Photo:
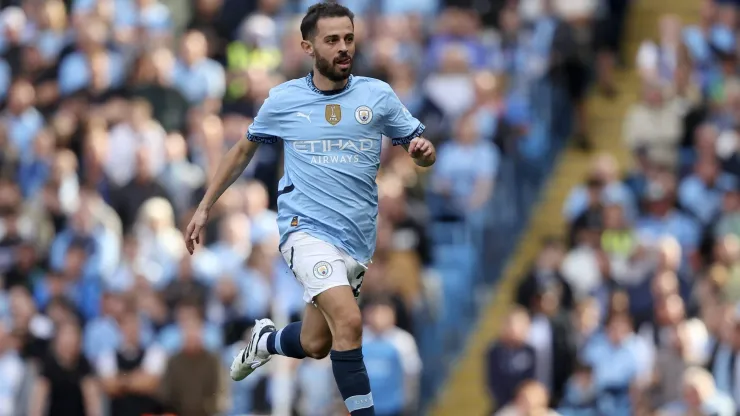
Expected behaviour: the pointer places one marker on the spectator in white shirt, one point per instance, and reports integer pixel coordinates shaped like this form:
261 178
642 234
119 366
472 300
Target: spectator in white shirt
11 368
141 131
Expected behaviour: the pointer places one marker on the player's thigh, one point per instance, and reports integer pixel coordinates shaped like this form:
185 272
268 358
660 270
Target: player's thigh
315 333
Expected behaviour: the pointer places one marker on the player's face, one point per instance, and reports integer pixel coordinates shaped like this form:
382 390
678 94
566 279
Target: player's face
334 47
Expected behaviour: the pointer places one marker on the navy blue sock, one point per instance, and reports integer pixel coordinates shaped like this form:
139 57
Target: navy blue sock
287 341
351 377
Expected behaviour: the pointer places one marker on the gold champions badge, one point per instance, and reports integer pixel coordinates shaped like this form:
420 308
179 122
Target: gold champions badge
333 114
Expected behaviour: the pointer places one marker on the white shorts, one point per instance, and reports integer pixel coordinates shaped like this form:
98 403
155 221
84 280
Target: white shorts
320 266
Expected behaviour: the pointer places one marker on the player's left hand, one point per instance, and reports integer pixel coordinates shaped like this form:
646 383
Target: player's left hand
422 151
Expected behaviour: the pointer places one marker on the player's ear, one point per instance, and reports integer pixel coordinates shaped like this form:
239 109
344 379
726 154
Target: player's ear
307 47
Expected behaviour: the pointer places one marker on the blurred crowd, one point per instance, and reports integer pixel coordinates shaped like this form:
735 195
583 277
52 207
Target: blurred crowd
115 114
637 311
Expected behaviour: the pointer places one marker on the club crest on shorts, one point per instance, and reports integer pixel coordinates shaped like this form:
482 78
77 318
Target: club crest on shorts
333 114
363 114
322 270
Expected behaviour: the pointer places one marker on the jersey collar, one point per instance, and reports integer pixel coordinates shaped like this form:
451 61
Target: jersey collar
314 88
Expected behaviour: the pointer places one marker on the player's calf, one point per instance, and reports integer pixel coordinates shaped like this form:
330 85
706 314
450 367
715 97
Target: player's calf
347 329
316 348
345 321
315 333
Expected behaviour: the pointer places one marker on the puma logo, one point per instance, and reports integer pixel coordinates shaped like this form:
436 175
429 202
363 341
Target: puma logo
304 115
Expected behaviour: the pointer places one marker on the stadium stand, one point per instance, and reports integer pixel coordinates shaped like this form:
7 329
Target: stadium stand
630 307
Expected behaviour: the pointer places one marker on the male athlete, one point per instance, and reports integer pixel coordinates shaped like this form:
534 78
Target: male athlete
331 124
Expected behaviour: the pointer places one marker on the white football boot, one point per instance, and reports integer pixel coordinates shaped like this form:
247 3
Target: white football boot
250 359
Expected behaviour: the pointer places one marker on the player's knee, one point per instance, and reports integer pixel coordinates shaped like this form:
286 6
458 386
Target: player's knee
317 348
348 328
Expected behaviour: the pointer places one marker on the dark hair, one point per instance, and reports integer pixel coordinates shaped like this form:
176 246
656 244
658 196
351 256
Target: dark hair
319 11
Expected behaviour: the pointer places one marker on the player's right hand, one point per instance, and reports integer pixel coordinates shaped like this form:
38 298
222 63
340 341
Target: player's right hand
192 233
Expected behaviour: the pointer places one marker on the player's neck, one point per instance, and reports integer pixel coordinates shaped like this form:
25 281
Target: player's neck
325 84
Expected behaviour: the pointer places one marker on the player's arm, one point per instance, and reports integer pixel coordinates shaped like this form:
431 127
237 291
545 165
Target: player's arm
264 129
229 170
405 130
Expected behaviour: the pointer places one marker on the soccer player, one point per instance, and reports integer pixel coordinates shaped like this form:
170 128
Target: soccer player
331 124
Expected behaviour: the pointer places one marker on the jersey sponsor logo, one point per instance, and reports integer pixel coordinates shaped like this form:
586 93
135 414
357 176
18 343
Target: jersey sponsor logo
363 114
333 114
325 151
322 270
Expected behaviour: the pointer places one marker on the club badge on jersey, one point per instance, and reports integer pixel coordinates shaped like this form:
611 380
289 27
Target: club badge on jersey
363 114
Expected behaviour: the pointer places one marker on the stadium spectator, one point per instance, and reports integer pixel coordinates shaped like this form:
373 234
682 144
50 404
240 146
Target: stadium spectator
615 357
194 383
510 361
130 374
198 77
531 398
66 384
580 394
546 272
655 123
700 396
551 336
393 361
466 188
13 372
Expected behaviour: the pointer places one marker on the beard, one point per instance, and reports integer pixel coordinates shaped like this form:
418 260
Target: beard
331 70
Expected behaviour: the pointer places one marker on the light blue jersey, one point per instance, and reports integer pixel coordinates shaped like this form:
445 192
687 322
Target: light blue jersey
332 142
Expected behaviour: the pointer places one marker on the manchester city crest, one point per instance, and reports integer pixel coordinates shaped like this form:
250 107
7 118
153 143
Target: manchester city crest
322 270
363 114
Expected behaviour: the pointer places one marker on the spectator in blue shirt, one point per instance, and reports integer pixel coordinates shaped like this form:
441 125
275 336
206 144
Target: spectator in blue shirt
580 394
392 360
72 282
235 245
5 77
466 186
104 332
198 77
187 314
701 194
604 169
148 18
22 121
459 31
662 219
34 171
103 246
615 358
74 70
52 35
